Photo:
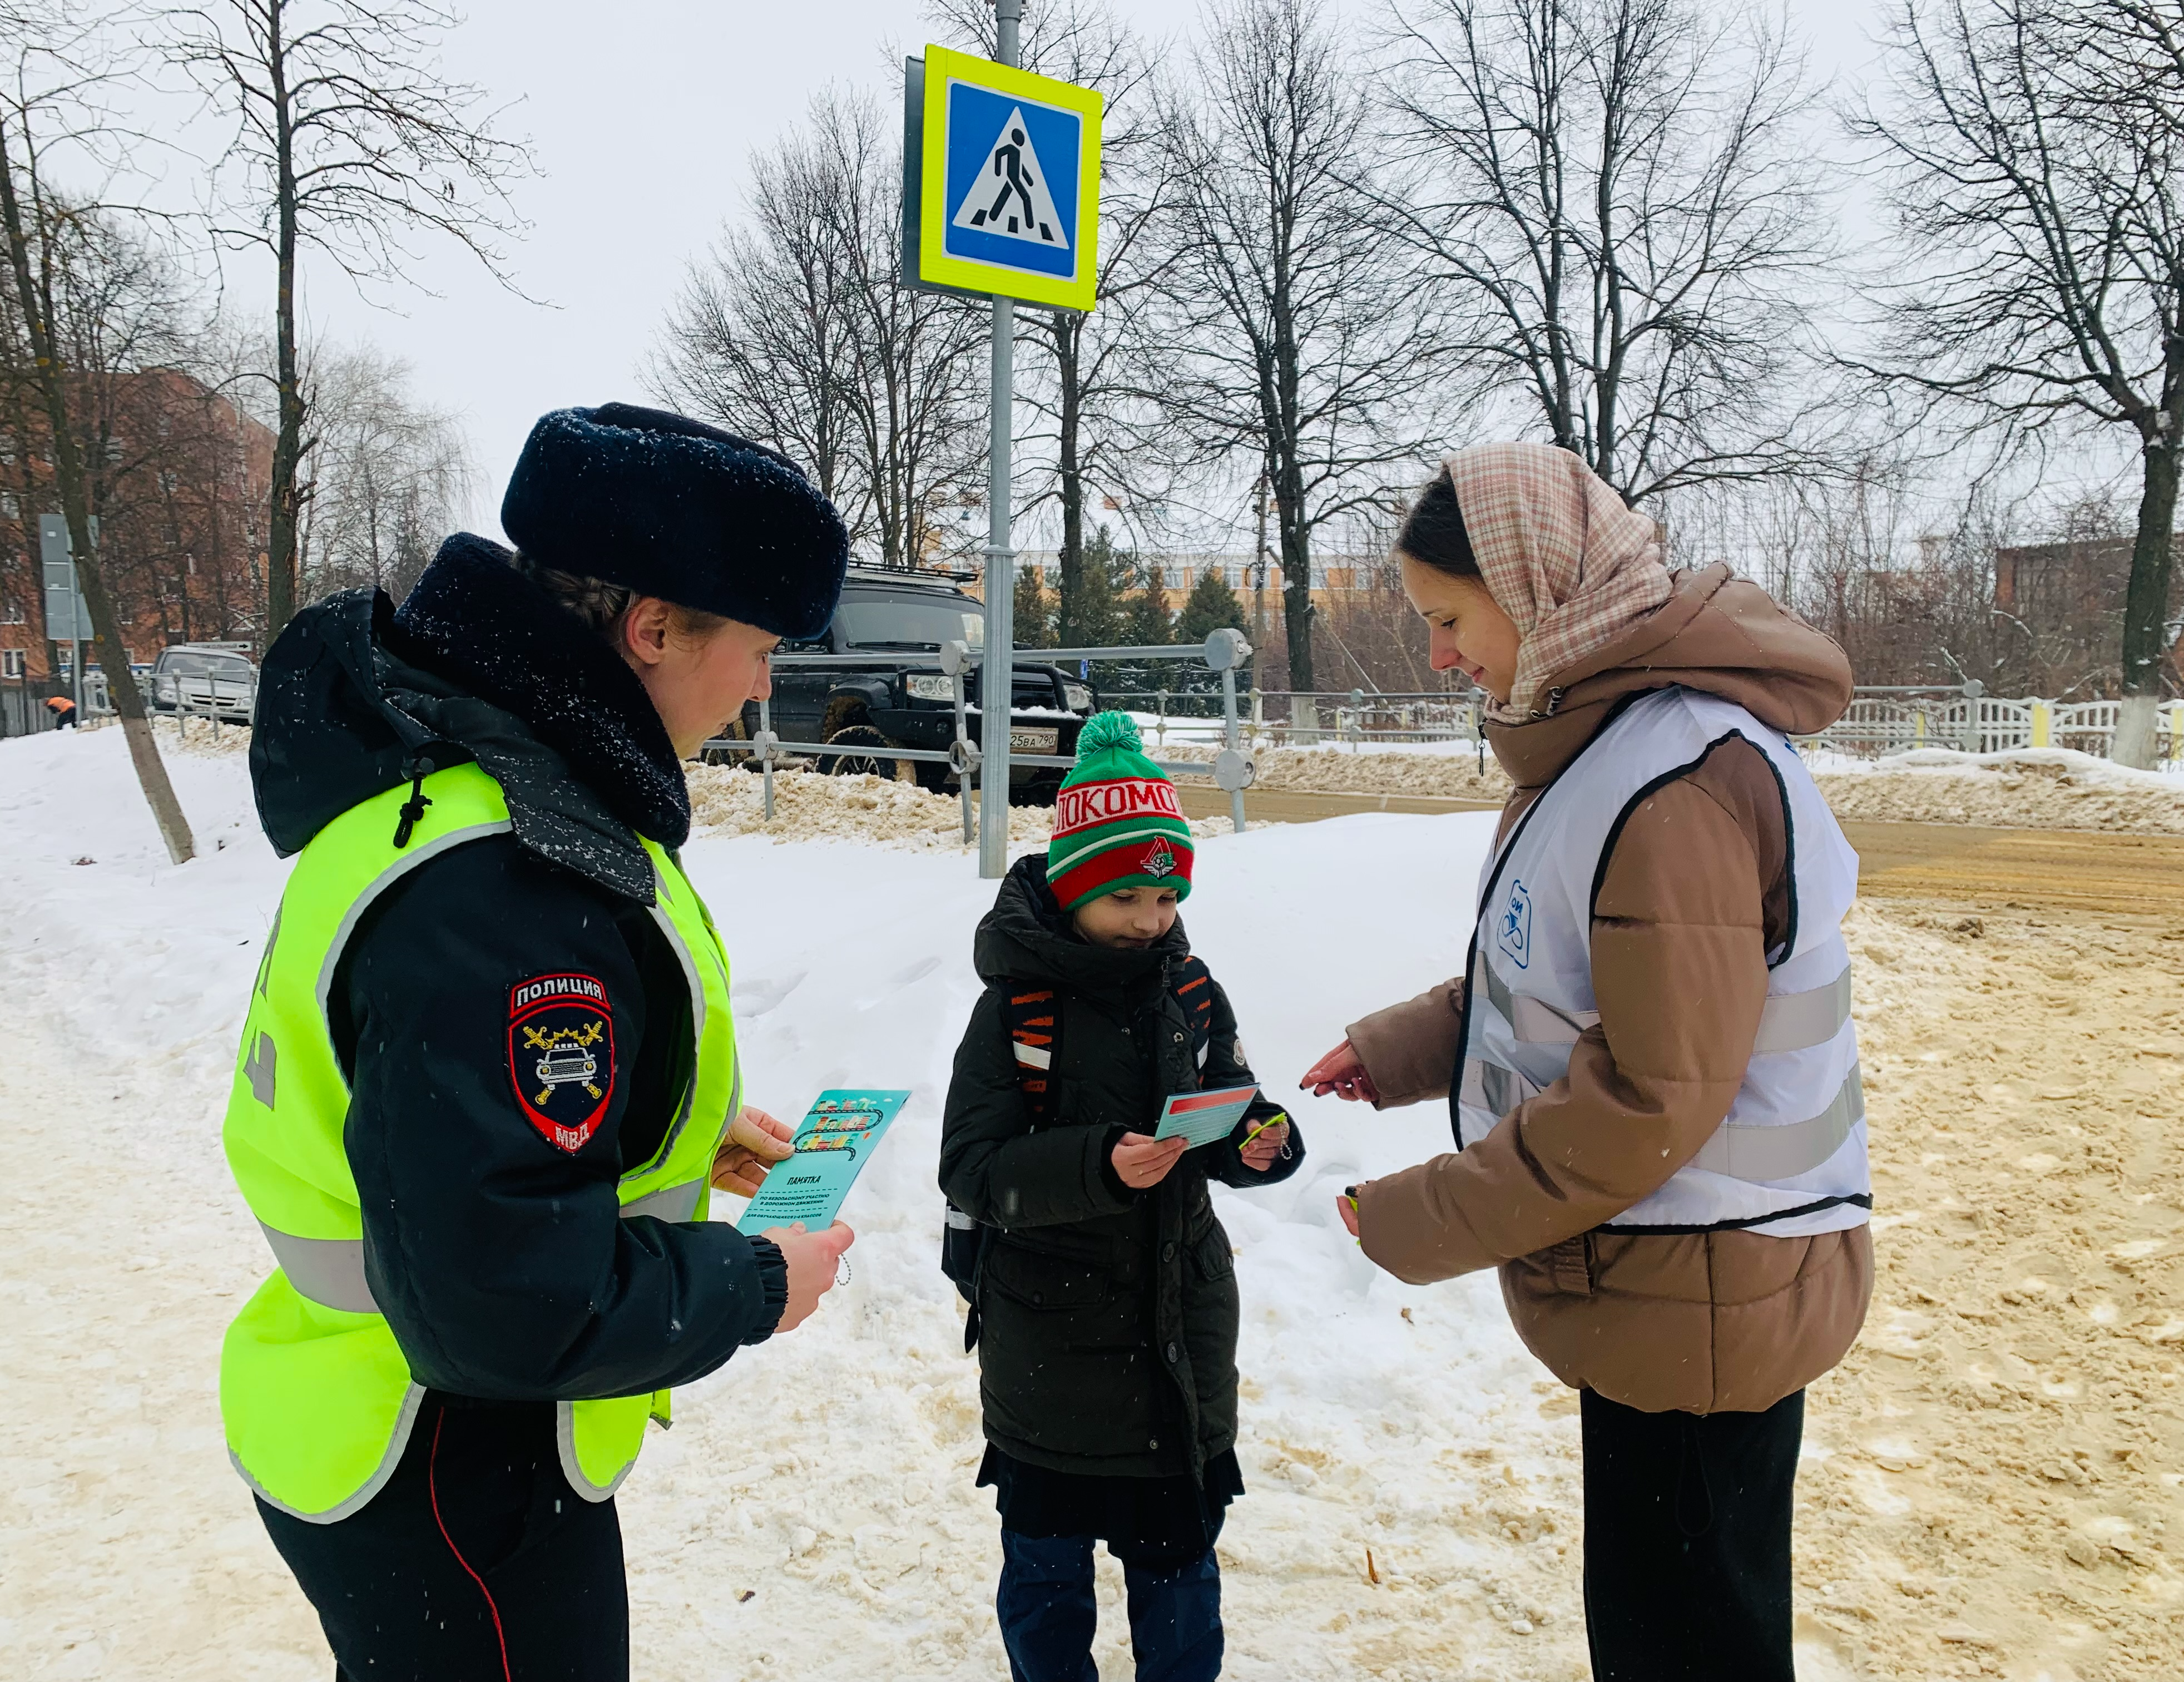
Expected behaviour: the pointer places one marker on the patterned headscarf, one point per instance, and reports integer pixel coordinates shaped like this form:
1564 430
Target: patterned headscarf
1560 555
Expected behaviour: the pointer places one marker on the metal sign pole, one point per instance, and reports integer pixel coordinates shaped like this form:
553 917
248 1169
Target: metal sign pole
997 694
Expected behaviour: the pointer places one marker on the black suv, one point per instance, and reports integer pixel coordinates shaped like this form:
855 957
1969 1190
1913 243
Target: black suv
901 699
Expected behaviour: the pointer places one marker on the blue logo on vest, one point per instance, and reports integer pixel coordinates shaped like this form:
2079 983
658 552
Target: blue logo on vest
1515 936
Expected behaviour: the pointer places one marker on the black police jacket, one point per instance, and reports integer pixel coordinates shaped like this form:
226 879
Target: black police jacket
499 1253
1107 1339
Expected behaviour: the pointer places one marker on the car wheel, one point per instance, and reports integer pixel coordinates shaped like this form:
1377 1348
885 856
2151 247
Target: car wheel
865 737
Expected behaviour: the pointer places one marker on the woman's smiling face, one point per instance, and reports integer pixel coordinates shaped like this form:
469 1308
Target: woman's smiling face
1466 630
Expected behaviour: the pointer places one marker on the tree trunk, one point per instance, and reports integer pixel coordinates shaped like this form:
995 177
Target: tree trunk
1297 610
1259 584
2146 609
287 501
1068 630
68 471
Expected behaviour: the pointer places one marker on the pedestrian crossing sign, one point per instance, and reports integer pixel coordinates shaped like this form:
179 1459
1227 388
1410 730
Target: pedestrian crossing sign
1001 182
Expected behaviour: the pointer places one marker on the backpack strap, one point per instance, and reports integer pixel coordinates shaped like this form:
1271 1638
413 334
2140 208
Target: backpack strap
1192 984
1034 1034
1035 1030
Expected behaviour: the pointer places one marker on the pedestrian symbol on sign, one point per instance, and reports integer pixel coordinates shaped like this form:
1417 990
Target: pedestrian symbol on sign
1012 197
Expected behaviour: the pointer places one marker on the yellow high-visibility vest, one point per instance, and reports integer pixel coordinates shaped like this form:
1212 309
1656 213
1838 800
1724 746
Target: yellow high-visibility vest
315 1394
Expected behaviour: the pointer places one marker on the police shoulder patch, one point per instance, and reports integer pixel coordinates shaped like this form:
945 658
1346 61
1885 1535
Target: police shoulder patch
561 1054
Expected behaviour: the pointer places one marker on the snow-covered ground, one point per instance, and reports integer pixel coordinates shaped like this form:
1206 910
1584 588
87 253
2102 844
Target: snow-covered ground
828 1473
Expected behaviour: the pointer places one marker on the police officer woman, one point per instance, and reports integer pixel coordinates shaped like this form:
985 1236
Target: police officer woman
488 1068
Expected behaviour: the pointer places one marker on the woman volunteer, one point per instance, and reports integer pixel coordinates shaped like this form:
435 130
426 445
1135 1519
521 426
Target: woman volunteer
1660 1136
489 1067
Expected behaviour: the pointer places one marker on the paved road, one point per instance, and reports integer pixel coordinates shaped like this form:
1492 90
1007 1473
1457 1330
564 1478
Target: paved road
2083 871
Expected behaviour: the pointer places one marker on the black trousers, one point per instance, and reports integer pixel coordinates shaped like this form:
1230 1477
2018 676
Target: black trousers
476 1562
1687 1542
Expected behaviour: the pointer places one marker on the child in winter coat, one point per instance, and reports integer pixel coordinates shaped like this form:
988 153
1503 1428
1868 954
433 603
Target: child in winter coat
1103 1302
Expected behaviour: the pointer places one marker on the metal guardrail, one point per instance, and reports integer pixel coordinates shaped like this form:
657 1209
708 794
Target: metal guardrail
1223 652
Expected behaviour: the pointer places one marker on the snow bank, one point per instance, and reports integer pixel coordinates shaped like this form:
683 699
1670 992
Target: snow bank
2029 788
2032 789
1441 768
828 1473
809 806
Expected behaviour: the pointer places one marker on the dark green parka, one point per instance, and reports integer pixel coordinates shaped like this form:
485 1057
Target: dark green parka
1108 1337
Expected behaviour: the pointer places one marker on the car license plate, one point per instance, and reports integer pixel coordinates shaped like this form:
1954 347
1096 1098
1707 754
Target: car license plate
1034 741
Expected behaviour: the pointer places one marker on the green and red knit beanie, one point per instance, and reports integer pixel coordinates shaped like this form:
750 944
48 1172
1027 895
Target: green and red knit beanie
1115 823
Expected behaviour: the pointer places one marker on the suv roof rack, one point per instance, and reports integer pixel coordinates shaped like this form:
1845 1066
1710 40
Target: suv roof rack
871 572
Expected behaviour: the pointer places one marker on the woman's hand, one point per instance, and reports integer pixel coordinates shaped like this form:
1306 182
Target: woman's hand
1142 1161
1265 1149
813 1259
1341 1072
755 1140
1345 1204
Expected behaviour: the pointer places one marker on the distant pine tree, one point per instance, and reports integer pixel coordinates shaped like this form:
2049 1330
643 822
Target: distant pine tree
1211 606
1146 617
1034 610
1094 618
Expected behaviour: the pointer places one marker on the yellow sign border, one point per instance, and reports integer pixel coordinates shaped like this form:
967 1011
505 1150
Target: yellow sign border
934 266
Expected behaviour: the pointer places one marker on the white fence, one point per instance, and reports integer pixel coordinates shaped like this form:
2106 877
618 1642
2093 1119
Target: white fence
1876 722
1989 724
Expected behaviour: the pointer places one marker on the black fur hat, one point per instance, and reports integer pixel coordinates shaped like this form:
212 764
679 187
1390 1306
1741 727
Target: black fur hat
673 508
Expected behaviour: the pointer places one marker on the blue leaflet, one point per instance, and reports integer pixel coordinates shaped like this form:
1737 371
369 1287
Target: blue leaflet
833 1143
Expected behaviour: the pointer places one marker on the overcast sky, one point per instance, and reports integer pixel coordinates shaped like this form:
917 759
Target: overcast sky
641 115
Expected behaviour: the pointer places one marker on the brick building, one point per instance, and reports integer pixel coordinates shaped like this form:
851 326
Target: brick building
178 479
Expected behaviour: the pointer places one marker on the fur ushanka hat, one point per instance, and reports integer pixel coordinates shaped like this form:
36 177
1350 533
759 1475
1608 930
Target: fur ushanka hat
671 507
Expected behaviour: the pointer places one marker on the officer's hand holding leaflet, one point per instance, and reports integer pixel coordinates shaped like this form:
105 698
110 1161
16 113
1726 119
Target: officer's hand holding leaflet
814 1259
755 1142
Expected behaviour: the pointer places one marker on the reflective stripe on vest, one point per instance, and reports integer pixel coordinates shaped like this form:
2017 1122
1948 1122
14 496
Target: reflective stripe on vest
1790 1157
317 1399
1790 1022
331 1270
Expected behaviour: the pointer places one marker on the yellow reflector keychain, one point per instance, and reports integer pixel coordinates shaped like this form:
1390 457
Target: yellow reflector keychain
1278 1119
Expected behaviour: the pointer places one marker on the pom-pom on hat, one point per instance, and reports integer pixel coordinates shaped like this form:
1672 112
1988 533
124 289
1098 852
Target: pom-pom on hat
1116 821
671 507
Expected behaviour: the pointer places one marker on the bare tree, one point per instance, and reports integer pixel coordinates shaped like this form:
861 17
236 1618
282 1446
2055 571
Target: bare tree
1615 198
798 330
766 328
389 475
1291 340
48 107
2037 195
347 141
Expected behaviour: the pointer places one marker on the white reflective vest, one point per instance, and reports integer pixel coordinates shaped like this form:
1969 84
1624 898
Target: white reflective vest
1790 1158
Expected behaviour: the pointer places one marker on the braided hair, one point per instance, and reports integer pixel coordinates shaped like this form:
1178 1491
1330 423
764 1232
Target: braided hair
601 605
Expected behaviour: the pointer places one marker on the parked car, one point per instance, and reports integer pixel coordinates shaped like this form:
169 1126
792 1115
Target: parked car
901 699
202 678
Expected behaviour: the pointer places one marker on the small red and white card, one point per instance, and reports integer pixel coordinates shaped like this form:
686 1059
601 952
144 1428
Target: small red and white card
1201 1117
